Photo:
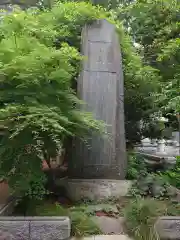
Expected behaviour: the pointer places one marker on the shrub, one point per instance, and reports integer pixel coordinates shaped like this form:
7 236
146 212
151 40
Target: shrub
38 107
152 185
136 166
148 183
172 176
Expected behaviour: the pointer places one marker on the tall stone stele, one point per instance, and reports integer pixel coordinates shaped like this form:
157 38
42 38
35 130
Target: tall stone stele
101 87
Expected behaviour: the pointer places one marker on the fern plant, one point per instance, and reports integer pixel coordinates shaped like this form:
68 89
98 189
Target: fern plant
38 107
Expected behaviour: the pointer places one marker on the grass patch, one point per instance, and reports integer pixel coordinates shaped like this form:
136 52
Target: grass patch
140 218
141 214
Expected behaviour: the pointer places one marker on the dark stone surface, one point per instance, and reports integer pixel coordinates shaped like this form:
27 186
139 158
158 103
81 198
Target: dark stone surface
101 87
168 228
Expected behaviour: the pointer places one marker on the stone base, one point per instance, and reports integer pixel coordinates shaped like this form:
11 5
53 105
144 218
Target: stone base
97 189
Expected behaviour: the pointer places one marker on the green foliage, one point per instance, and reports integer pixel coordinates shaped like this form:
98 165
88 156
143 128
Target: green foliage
108 4
38 107
147 183
173 209
170 59
136 166
155 26
141 83
142 213
172 176
152 24
152 185
140 217
82 224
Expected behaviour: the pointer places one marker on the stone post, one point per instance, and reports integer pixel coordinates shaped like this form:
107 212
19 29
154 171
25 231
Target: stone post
161 146
101 87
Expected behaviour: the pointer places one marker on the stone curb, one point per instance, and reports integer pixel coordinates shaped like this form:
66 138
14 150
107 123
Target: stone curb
35 228
168 227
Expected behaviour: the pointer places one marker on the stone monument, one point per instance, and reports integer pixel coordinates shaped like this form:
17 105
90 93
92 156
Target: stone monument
101 87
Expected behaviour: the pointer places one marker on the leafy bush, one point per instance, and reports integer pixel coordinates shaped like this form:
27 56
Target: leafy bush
136 166
152 185
38 107
154 25
140 217
172 176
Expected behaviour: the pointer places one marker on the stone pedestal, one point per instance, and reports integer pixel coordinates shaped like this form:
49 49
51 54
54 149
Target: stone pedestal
97 189
35 228
101 87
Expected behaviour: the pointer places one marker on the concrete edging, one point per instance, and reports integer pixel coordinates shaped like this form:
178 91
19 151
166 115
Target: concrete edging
168 227
35 228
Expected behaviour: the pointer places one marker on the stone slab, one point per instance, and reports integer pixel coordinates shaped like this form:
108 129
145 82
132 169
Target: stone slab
168 228
97 189
35 228
109 225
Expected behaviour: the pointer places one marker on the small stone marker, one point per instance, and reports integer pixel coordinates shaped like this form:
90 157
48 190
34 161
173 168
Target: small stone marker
168 228
34 228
